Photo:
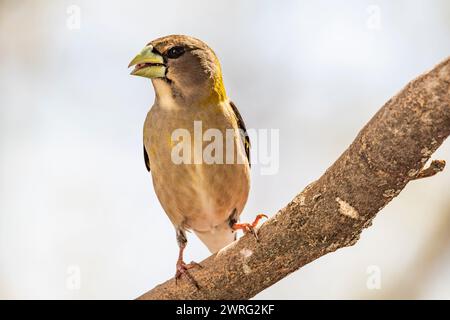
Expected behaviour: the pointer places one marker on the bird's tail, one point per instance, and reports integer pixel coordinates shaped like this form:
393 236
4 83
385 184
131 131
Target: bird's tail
217 238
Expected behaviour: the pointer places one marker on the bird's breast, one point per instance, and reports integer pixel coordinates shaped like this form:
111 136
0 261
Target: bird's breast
193 180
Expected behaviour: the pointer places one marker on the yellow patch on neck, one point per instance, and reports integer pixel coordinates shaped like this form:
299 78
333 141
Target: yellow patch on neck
218 93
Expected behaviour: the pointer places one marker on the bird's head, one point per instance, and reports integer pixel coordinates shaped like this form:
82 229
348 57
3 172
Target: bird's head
181 67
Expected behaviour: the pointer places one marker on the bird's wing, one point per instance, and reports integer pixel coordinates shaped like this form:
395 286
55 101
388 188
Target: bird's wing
244 136
146 159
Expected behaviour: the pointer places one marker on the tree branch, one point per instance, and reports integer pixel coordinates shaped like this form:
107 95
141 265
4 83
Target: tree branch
331 213
435 167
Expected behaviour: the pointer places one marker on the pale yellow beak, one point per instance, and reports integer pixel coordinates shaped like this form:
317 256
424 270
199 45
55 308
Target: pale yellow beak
148 64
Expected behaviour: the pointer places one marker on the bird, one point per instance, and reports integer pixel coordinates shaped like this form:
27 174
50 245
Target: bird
203 197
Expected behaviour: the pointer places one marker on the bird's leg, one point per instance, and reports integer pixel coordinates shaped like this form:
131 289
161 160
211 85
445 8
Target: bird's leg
249 227
182 267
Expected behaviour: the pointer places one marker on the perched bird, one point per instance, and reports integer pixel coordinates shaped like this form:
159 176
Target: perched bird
206 198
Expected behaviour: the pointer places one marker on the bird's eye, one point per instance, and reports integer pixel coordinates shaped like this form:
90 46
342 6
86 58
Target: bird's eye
175 52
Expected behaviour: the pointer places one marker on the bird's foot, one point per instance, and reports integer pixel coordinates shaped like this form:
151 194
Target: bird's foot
250 227
183 269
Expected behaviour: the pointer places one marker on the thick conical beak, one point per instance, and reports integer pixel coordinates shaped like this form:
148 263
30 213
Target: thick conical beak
148 64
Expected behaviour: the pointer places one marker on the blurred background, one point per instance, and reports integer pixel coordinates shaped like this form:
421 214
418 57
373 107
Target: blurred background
78 215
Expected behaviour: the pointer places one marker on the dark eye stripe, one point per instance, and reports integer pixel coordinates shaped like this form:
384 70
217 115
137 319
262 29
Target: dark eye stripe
175 52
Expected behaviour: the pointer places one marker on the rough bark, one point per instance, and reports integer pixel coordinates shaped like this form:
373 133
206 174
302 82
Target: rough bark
331 213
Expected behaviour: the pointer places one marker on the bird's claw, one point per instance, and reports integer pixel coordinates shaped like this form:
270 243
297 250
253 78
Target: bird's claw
183 269
250 227
252 230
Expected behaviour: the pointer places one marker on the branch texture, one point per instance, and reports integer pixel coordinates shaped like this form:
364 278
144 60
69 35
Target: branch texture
331 213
